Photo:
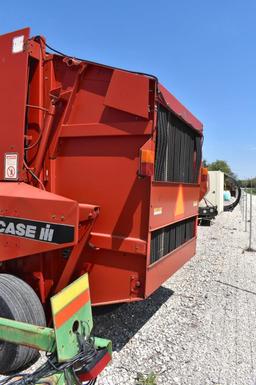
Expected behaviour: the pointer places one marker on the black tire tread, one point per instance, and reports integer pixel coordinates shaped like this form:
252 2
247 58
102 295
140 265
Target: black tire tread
24 306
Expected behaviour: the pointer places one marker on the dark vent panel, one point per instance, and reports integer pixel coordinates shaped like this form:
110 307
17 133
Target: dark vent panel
168 238
178 150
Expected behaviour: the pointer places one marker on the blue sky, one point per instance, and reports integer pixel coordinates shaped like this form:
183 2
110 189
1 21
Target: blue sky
203 51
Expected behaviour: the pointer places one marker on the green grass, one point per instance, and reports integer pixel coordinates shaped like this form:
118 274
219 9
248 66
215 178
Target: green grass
145 379
248 190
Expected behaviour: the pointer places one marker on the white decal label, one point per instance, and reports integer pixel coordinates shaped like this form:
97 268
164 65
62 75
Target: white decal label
158 211
17 44
11 166
195 203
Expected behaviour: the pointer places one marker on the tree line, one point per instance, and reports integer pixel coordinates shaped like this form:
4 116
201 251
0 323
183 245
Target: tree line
222 165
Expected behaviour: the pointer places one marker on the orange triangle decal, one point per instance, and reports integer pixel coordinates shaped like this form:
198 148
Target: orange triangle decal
179 209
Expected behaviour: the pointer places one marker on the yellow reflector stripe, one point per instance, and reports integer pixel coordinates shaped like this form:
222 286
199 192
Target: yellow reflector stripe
64 297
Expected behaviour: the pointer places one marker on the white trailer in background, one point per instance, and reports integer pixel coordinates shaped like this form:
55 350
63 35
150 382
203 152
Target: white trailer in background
215 195
213 202
223 195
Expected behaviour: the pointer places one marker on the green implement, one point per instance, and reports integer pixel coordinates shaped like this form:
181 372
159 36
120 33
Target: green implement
73 355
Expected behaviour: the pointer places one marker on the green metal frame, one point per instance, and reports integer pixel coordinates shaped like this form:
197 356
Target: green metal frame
63 341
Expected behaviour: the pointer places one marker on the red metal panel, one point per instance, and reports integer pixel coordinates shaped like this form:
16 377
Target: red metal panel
103 171
100 129
128 92
172 202
127 245
114 276
179 109
168 265
13 80
22 201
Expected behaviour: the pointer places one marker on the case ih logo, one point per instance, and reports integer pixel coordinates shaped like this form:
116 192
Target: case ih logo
38 231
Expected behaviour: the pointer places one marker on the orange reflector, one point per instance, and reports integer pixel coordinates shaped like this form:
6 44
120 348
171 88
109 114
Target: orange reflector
179 209
147 156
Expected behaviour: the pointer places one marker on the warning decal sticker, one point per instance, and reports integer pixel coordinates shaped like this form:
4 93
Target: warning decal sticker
11 166
18 44
158 211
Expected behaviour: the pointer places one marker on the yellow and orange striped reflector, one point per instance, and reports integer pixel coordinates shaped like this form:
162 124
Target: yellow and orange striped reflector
66 303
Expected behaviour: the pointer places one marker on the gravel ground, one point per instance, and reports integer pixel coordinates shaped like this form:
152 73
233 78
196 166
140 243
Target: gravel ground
199 327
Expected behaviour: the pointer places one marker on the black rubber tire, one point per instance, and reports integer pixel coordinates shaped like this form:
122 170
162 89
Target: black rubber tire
18 301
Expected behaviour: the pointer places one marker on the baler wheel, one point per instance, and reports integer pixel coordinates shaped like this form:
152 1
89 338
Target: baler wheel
19 302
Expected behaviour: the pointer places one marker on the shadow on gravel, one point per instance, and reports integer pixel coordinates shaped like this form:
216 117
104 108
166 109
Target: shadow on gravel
120 323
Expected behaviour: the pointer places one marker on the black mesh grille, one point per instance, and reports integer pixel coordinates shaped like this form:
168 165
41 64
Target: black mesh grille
176 146
168 238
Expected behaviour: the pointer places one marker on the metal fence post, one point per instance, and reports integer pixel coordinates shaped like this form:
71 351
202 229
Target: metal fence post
250 229
246 220
245 192
241 203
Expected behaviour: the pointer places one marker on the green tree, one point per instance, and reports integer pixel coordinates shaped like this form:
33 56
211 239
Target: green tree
221 165
248 182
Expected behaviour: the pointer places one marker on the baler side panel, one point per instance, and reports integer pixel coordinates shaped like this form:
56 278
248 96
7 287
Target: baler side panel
172 202
114 276
174 192
124 98
92 135
97 160
13 98
98 151
168 265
